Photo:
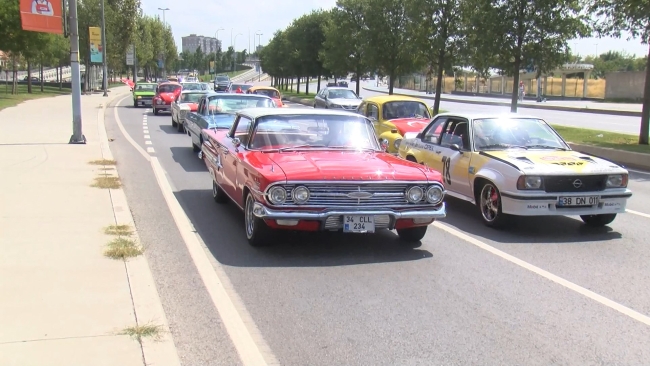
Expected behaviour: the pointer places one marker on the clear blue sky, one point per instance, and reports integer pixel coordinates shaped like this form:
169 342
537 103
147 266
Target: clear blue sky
266 16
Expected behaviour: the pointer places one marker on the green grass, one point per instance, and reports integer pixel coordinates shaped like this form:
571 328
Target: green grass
292 93
606 139
9 100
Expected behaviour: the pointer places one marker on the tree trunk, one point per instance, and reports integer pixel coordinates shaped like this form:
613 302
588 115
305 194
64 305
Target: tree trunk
298 85
441 69
15 76
307 86
29 77
318 86
391 82
645 112
515 86
358 71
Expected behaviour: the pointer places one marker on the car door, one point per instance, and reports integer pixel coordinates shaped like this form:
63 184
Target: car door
318 99
430 143
194 122
455 148
231 154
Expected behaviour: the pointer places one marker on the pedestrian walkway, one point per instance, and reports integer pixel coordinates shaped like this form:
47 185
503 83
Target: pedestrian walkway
63 302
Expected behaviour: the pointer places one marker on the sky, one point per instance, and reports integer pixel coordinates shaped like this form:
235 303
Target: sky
247 17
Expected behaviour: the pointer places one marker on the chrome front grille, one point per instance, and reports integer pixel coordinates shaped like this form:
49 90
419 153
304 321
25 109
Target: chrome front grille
379 195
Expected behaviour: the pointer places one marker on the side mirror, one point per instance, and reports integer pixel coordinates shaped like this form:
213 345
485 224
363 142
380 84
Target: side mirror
455 147
419 136
237 142
384 144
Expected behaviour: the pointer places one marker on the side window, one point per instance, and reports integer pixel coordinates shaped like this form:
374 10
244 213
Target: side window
361 109
373 111
456 132
242 130
432 134
201 108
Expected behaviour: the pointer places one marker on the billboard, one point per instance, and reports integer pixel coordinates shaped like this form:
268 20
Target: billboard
130 55
41 16
95 37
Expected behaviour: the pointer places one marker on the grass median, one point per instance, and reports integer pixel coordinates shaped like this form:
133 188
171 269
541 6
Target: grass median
301 95
9 100
612 140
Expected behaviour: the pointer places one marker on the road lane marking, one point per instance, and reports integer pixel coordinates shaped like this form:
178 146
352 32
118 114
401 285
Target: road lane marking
549 276
151 150
248 351
148 142
638 171
147 137
239 324
638 213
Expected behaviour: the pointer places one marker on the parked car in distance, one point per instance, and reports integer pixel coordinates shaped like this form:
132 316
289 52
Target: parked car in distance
217 111
337 98
222 83
269 91
185 103
342 83
314 169
143 94
518 165
395 115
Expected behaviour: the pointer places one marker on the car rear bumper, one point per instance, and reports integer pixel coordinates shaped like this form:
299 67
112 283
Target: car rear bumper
547 204
144 101
164 107
333 219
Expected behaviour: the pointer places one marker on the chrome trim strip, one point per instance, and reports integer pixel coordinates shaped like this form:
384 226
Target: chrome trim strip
264 212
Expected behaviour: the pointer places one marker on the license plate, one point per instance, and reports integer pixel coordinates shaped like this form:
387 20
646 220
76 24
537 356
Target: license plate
358 224
578 201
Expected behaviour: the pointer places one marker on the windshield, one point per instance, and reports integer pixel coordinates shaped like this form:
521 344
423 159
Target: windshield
405 109
230 103
192 86
305 131
268 92
146 87
497 134
222 78
341 94
169 88
191 97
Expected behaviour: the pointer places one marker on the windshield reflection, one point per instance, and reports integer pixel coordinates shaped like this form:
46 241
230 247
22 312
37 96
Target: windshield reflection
526 133
405 109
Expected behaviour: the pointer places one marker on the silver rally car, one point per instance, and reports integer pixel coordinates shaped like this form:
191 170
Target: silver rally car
518 165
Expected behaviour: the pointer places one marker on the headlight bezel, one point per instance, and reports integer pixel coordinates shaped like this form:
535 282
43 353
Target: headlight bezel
397 143
414 189
530 183
298 201
432 188
623 180
270 195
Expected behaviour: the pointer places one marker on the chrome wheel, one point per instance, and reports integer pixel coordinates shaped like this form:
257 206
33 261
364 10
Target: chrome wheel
215 189
490 203
249 217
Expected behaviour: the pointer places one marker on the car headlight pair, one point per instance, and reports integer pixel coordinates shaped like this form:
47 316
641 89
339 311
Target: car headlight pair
532 182
434 194
278 195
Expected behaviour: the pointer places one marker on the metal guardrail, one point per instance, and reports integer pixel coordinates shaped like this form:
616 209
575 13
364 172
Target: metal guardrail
48 74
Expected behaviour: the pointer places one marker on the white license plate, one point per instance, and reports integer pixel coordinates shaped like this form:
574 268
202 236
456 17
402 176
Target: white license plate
358 224
578 201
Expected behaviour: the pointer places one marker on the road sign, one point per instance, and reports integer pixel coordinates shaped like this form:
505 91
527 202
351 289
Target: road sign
130 55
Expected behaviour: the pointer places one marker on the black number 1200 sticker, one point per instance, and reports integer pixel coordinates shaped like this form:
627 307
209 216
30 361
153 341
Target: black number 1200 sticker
446 175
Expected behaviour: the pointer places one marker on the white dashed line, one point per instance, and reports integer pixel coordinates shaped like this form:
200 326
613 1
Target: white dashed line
151 150
147 137
148 142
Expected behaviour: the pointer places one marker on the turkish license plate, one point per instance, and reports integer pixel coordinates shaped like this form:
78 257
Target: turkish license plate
578 201
358 224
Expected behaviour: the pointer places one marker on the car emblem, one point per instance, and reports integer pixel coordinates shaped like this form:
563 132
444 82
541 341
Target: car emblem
359 195
577 183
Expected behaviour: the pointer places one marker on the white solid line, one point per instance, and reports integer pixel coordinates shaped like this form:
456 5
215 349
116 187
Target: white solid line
148 142
147 137
638 213
151 150
638 171
126 134
248 351
549 276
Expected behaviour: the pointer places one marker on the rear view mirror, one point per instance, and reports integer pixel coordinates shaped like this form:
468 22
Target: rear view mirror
454 147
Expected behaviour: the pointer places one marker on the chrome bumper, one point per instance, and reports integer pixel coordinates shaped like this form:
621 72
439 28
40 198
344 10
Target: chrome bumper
332 219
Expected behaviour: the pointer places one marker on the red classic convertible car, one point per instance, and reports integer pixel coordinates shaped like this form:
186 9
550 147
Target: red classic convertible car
311 170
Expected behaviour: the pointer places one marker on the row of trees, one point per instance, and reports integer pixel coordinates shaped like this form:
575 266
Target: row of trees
125 25
201 61
397 37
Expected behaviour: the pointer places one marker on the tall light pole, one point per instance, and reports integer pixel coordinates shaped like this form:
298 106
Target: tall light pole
216 35
77 133
596 44
259 65
165 24
104 68
234 51
164 10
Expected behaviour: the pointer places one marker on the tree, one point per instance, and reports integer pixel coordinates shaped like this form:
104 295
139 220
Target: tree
437 31
631 16
390 48
518 34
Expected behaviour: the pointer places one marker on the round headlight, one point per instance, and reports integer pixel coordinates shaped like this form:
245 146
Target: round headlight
277 195
397 143
414 194
435 194
300 195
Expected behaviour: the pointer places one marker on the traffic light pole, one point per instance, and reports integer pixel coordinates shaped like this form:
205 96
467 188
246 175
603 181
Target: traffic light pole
77 133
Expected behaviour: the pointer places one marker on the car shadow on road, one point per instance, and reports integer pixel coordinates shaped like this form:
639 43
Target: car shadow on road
188 159
221 226
169 129
532 230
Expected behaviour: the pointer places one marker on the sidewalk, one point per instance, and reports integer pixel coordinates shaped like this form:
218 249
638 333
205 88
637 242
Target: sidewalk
585 106
63 302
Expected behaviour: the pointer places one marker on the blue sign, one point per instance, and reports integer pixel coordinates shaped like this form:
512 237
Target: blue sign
160 64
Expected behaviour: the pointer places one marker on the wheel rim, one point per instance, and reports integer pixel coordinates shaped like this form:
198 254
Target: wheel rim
249 218
489 203
214 189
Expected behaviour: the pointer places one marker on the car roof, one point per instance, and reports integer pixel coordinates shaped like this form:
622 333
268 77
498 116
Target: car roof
263 87
337 88
261 112
473 116
194 91
391 98
170 83
233 95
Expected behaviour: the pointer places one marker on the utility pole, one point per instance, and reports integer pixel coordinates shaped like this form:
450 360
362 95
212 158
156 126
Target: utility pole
77 134
104 68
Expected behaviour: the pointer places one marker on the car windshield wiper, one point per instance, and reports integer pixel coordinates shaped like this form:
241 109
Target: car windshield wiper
545 147
299 147
506 146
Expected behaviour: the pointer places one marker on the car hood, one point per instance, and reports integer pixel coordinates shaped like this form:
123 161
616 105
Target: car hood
345 101
344 165
167 97
555 162
405 125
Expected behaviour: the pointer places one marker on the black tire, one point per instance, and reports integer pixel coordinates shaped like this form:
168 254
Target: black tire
197 148
180 127
257 232
135 104
155 111
489 204
598 220
413 234
174 123
218 194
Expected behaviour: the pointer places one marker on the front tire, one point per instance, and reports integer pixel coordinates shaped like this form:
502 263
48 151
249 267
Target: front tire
174 123
257 232
155 112
196 148
489 203
218 194
135 104
598 220
412 234
180 128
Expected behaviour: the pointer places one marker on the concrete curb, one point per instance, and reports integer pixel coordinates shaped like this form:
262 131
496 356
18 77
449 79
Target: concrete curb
146 301
530 106
625 158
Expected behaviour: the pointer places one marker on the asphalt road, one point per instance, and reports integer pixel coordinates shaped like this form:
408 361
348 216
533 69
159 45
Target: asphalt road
331 299
604 122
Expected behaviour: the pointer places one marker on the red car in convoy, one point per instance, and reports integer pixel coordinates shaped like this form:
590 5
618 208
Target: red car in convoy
166 93
311 170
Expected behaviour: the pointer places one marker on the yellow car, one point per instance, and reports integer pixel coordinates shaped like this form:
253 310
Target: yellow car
395 115
518 165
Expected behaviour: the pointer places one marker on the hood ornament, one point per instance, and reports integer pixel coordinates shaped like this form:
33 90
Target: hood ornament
577 183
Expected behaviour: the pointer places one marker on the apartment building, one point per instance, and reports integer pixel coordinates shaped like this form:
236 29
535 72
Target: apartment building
206 44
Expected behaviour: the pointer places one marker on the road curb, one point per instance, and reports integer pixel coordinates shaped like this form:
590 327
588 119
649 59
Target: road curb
307 102
626 158
146 300
530 106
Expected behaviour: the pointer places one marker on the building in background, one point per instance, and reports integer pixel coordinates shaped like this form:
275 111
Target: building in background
206 44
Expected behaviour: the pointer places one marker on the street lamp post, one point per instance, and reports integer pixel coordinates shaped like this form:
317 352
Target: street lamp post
235 52
164 23
259 71
216 35
104 68
596 44
164 10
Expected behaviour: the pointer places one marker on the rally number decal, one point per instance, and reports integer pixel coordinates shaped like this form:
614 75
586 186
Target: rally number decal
446 174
